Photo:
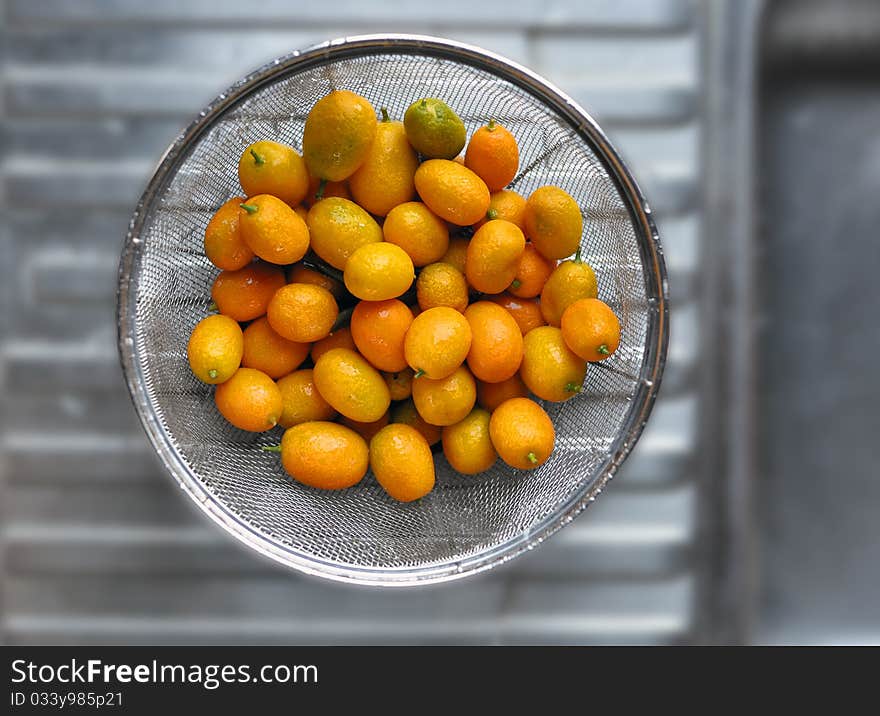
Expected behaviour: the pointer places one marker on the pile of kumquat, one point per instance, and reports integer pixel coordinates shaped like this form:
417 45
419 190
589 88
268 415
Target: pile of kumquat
383 292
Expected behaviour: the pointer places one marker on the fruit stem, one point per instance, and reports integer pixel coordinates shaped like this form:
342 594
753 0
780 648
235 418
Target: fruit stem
250 208
418 374
572 388
515 284
258 159
212 306
321 186
532 458
577 256
271 448
425 102
212 374
603 349
385 117
491 125
492 214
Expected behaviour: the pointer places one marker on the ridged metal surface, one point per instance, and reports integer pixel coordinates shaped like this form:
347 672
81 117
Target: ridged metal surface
98 547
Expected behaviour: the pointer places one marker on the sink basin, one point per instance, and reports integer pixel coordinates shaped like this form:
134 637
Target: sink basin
817 468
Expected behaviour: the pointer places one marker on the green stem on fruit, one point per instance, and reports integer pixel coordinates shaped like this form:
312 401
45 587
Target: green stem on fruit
572 388
424 103
492 214
515 284
258 158
418 374
271 448
577 256
603 349
532 458
212 374
250 208
385 117
491 125
212 306
321 186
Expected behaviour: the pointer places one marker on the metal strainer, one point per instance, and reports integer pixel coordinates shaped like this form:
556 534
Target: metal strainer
467 524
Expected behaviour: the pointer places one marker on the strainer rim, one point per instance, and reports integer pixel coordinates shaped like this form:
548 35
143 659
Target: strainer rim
654 272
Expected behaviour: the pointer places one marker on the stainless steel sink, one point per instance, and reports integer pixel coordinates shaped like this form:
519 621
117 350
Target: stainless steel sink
818 335
794 156
746 513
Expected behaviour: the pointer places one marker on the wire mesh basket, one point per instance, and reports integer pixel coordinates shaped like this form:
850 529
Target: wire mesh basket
468 523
